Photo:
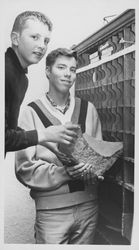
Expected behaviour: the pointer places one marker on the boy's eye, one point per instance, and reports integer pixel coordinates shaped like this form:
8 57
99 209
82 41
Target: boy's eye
73 70
60 67
35 38
46 41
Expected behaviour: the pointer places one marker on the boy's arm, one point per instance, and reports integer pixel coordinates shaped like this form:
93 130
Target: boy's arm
36 172
15 139
18 139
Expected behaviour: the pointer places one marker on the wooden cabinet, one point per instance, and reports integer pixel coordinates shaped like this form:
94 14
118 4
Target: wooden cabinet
106 77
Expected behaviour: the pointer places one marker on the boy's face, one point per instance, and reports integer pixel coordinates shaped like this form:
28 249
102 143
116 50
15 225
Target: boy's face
32 42
62 74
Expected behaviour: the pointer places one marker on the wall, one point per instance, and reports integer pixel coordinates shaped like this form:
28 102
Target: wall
19 212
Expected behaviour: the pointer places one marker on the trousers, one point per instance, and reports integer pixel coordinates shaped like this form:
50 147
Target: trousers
68 225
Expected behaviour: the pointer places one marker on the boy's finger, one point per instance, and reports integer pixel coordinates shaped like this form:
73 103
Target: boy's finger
72 126
100 177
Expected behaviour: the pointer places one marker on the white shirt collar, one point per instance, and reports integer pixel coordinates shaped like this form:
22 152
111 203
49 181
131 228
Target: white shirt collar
59 115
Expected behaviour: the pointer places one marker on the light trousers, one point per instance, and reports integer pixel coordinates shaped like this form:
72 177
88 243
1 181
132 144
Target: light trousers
69 225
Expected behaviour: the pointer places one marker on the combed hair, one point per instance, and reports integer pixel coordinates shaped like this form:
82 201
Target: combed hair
24 16
54 54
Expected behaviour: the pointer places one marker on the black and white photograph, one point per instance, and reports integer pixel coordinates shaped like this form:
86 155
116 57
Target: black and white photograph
69 124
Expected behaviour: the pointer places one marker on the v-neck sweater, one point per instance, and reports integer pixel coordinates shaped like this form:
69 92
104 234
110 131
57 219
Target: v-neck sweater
38 167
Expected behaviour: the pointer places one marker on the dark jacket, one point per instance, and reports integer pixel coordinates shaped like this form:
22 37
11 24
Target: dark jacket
16 84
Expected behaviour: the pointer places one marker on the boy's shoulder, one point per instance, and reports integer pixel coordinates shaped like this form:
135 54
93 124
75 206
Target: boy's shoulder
85 102
10 72
81 100
13 69
9 65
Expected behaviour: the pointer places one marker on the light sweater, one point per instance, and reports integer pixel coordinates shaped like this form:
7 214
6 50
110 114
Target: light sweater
39 168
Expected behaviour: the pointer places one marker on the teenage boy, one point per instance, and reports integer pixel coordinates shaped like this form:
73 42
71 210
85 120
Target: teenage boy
66 204
30 37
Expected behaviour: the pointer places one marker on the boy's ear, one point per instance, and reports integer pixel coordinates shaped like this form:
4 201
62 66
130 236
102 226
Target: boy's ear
47 72
15 38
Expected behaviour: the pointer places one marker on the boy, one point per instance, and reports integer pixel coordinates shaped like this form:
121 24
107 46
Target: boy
66 204
30 37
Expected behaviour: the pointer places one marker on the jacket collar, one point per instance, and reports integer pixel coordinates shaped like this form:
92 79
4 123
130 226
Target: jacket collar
15 59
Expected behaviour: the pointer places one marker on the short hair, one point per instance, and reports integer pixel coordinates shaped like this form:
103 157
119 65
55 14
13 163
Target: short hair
54 54
24 16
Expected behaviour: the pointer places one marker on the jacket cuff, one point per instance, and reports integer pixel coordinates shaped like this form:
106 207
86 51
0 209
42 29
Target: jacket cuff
32 137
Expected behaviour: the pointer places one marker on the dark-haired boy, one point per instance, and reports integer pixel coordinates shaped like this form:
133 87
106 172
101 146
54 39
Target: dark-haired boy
66 205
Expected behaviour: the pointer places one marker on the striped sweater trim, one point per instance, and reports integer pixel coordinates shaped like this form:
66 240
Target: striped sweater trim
78 116
50 117
83 114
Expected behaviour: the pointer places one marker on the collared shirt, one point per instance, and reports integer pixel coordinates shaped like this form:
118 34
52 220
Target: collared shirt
62 109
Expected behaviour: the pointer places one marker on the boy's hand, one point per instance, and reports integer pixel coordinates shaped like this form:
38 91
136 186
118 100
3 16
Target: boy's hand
64 134
76 171
89 177
84 171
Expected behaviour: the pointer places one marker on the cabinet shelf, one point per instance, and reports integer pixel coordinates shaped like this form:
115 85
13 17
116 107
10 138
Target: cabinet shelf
109 83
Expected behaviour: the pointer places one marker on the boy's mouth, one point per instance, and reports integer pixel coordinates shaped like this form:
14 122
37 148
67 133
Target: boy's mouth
39 54
66 81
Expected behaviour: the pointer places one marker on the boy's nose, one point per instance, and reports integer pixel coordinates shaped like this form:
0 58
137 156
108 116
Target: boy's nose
67 72
42 44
